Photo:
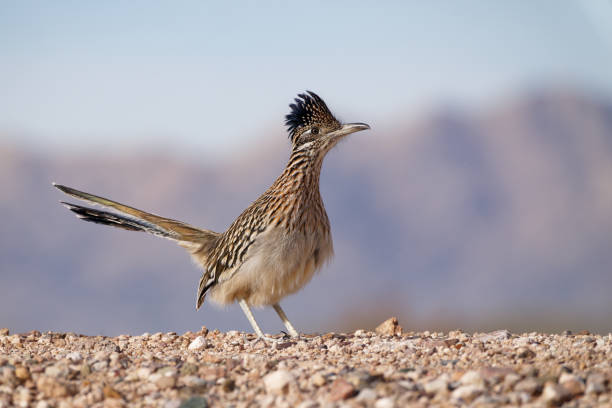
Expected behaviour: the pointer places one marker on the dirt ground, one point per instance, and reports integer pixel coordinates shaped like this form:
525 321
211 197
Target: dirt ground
383 368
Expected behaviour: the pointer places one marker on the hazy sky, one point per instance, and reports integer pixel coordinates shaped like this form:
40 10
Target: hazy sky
207 76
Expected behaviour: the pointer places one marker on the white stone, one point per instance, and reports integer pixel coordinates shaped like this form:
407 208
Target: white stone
467 393
278 381
193 381
440 384
75 357
472 377
366 395
199 343
384 403
143 373
308 404
53 371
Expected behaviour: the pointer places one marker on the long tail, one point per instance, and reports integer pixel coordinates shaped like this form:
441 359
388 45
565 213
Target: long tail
192 238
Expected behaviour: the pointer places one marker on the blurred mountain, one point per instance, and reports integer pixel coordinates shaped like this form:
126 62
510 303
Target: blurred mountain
496 218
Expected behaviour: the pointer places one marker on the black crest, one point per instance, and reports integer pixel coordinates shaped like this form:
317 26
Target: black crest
307 110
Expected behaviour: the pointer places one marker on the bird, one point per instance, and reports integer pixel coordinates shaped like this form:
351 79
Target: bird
276 245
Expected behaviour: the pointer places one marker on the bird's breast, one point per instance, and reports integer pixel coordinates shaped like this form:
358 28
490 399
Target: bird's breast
278 263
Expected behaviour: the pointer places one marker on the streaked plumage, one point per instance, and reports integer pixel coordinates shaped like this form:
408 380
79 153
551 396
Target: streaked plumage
277 244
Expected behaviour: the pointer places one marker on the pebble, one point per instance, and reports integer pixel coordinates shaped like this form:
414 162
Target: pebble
530 386
389 327
318 380
554 394
572 384
75 357
198 343
496 335
467 393
194 402
22 373
278 382
341 389
384 403
367 395
51 388
472 378
53 371
308 404
595 384
110 392
438 385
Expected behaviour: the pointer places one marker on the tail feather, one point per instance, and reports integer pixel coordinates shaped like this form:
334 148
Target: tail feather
199 242
135 220
117 220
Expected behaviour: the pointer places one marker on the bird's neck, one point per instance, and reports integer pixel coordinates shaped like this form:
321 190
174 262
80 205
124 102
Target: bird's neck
303 171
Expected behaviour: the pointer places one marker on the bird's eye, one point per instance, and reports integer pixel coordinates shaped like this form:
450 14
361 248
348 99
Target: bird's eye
314 131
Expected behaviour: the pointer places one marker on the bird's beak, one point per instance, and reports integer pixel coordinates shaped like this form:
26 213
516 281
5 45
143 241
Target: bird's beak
349 128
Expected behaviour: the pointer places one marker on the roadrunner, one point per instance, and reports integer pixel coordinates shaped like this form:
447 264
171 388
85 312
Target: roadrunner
276 245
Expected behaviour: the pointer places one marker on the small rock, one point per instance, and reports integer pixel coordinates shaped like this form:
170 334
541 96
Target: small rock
467 393
51 388
194 402
472 378
4 331
384 403
308 404
359 379
7 376
164 378
278 382
22 397
75 357
198 344
496 335
172 404
529 385
511 380
554 394
22 373
572 384
367 395
85 370
495 375
408 385
318 380
143 373
53 371
189 369
389 327
341 389
110 392
525 352
228 385
596 384
438 385
99 365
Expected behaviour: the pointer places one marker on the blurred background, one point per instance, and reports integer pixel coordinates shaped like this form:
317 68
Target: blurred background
480 199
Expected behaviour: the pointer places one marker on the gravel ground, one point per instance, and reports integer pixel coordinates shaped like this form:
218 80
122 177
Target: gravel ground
385 368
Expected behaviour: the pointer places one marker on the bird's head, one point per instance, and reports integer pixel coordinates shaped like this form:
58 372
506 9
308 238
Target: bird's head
312 126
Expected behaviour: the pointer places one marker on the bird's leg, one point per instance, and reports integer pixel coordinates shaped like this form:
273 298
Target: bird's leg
283 317
247 311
